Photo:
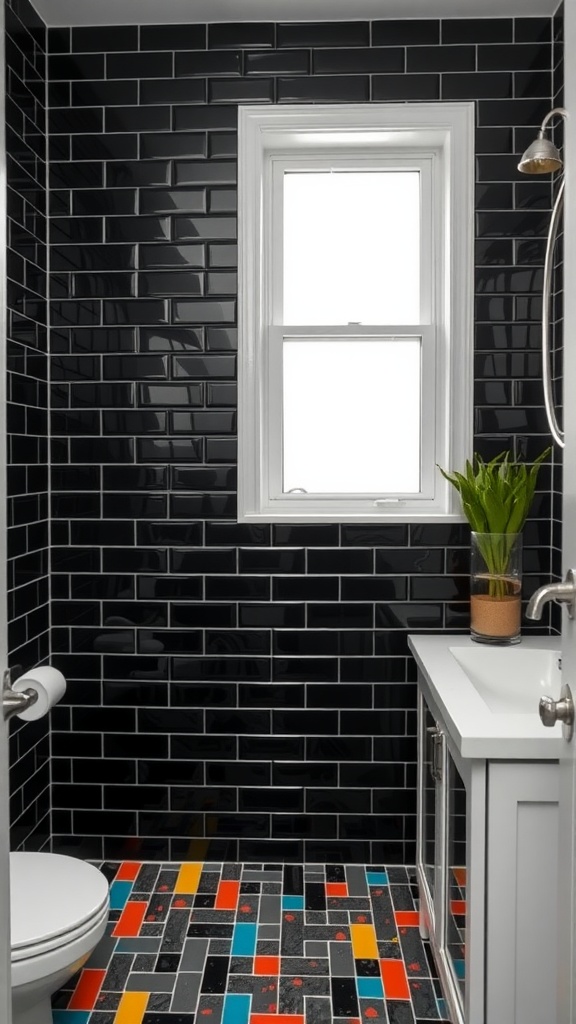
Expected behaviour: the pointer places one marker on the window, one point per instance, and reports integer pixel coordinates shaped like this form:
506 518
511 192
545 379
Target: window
355 378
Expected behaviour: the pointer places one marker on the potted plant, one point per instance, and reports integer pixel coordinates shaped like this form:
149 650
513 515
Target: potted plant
496 497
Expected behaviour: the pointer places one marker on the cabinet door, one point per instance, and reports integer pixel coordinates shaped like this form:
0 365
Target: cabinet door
429 846
522 911
455 909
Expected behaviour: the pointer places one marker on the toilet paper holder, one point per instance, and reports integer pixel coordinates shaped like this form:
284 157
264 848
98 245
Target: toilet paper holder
14 703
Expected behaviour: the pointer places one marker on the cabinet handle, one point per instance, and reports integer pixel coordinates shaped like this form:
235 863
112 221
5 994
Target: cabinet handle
435 755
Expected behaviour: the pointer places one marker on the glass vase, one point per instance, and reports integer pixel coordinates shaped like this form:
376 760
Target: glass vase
495 587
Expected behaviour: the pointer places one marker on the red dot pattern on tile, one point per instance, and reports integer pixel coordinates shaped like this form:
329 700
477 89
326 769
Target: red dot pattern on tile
87 990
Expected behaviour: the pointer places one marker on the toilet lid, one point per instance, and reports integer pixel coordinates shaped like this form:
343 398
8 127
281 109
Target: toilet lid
52 895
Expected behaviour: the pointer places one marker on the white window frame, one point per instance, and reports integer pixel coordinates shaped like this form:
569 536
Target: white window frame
436 137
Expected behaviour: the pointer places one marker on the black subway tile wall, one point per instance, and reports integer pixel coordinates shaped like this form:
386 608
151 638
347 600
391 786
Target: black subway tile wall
27 415
247 691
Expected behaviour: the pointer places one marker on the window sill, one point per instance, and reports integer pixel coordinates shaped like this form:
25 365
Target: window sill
378 517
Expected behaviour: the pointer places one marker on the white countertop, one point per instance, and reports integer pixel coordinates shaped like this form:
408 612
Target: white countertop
476 731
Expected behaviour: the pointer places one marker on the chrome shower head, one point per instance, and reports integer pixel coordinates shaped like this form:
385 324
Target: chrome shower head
542 156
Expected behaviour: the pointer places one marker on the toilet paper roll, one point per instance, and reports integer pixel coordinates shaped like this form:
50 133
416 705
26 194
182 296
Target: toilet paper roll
49 684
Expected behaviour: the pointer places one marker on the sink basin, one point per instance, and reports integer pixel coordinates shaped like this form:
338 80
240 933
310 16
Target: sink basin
511 680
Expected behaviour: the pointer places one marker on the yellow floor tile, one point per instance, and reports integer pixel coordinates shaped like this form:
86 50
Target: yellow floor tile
132 1008
188 878
364 945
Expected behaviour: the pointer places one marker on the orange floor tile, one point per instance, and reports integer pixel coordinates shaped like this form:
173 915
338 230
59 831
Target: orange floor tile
394 978
130 920
267 965
407 918
336 889
87 990
227 896
128 871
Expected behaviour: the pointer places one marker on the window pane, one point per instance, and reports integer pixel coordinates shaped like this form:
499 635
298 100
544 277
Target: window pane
351 415
352 247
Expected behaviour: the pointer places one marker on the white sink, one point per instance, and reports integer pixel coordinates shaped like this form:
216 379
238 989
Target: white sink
511 680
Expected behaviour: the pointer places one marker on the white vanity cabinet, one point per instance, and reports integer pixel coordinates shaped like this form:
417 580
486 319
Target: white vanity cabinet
486 864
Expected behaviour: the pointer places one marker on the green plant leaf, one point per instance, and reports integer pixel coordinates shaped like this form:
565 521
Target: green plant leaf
496 496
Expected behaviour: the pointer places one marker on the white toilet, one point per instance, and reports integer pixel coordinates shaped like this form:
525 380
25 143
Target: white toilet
59 910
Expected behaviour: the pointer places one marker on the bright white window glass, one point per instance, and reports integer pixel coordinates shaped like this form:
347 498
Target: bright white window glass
351 415
352 247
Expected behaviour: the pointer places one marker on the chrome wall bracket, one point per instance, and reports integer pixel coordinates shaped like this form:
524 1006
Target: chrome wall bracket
14 703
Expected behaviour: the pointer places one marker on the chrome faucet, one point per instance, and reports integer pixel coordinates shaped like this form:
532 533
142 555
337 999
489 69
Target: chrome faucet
562 593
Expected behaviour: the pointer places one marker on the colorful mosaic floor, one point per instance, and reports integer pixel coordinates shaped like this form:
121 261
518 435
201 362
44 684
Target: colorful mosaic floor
257 944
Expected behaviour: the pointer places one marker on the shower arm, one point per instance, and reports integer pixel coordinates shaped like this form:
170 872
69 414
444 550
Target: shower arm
560 111
555 429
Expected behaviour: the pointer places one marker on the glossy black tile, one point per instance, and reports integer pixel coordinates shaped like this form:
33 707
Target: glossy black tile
478 85
59 40
520 56
477 30
203 311
137 229
305 588
532 83
211 62
195 118
172 144
527 30
172 37
335 616
498 112
173 91
87 119
155 257
87 66
129 173
169 284
441 58
216 227
241 90
412 32
406 87
367 534
101 40
102 93
138 119
93 258
244 34
171 339
358 61
340 562
323 34
277 62
328 88
103 147
139 65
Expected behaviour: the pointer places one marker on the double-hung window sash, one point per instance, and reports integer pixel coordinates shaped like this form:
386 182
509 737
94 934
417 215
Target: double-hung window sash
351 339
